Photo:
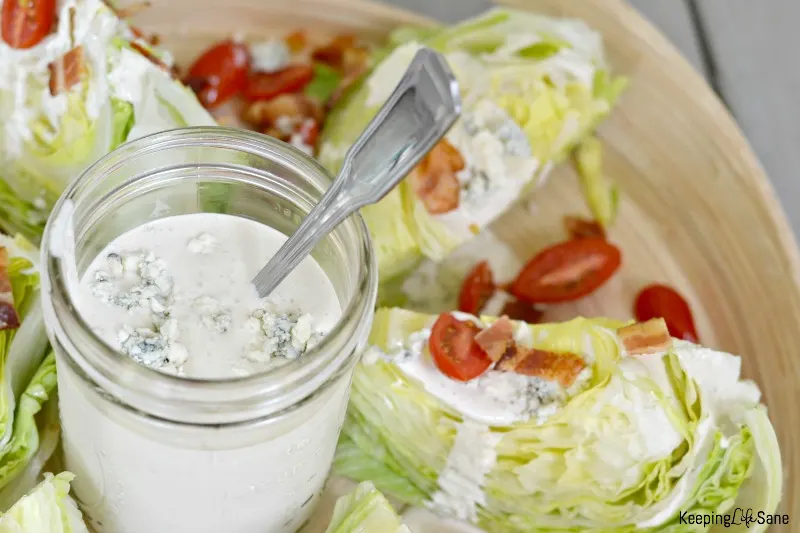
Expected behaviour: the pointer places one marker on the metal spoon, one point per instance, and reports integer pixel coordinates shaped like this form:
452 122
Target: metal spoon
418 113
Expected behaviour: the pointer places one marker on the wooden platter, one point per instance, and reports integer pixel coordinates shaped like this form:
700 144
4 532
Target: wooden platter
697 210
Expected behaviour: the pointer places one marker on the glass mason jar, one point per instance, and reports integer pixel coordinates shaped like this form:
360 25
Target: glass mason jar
158 453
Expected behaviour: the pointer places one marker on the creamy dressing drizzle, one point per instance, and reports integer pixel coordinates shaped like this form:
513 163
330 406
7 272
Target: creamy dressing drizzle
461 481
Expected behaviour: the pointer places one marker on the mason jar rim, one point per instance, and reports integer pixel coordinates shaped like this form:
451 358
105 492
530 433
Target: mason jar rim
202 401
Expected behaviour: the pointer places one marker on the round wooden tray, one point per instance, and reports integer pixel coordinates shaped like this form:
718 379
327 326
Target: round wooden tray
697 210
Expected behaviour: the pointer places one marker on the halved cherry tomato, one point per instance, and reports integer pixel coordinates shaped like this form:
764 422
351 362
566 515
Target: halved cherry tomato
567 271
268 85
477 288
27 22
219 73
454 350
660 301
516 309
581 228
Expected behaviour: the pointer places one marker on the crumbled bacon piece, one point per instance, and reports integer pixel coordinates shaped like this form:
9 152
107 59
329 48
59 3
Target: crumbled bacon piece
67 71
647 337
580 228
497 339
265 113
342 53
563 367
435 179
9 319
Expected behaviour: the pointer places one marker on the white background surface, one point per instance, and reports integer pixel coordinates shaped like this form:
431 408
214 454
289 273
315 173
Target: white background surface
748 50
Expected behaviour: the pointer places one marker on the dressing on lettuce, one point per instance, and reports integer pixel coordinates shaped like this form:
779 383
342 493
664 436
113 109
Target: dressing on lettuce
649 437
533 88
47 140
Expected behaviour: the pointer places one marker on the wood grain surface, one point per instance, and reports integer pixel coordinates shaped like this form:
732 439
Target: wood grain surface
697 210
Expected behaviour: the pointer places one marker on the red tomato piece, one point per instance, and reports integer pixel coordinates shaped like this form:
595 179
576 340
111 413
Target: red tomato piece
567 271
268 85
26 22
477 288
219 73
660 301
454 350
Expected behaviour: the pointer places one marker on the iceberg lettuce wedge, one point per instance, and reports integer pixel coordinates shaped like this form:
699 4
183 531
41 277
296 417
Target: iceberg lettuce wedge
49 136
533 89
642 441
29 426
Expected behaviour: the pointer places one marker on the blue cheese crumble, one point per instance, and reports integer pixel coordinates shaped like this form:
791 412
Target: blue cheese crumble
213 315
496 151
279 337
141 281
146 278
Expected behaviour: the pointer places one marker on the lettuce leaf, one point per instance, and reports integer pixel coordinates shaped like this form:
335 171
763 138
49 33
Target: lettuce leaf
646 440
47 509
535 85
47 140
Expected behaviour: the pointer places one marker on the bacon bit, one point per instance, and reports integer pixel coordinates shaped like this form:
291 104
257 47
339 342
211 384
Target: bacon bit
516 309
581 228
646 337
67 71
563 367
333 53
497 339
9 319
130 10
355 61
152 57
296 41
265 113
435 181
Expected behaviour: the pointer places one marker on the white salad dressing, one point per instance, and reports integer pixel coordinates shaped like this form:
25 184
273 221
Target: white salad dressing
495 398
186 281
194 270
471 458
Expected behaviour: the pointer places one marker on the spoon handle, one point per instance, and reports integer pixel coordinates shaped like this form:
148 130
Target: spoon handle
420 110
